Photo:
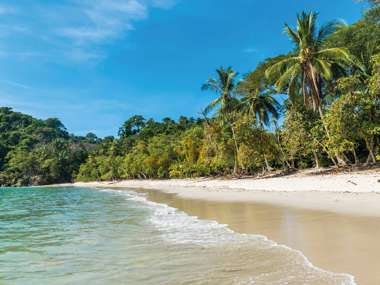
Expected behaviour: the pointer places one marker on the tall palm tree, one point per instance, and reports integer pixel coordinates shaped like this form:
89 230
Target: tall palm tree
311 63
224 85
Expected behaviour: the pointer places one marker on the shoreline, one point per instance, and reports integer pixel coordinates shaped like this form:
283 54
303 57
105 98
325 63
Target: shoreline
333 225
356 193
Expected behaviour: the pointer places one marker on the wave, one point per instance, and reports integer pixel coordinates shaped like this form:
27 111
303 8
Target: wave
177 227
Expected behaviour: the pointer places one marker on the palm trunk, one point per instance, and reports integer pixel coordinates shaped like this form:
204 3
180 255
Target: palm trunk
355 157
371 155
316 159
339 159
317 105
236 164
269 168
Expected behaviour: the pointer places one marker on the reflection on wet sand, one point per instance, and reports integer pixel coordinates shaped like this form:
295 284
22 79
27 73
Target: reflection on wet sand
335 242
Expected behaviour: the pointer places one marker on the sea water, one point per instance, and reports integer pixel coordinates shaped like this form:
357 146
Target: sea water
102 236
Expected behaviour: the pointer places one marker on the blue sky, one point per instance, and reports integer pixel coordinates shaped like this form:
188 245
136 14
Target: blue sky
94 63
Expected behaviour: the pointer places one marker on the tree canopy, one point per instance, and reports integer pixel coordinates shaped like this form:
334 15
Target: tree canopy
317 105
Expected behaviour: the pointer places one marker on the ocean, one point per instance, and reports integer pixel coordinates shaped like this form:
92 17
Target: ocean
104 236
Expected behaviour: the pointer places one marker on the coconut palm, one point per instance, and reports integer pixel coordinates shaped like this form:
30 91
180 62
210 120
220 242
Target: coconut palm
224 85
311 63
262 105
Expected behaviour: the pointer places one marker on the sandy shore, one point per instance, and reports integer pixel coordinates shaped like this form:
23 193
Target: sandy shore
331 241
333 219
351 193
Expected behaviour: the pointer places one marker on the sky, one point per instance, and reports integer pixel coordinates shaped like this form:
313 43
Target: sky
94 63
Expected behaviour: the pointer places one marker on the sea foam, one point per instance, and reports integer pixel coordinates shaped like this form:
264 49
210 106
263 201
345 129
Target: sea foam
178 227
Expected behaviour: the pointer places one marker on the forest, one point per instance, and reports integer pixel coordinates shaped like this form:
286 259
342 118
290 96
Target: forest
38 152
316 106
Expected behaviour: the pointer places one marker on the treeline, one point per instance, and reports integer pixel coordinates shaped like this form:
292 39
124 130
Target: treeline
35 152
316 106
330 116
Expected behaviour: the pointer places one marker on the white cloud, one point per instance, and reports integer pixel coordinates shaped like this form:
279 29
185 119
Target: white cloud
16 84
77 29
104 20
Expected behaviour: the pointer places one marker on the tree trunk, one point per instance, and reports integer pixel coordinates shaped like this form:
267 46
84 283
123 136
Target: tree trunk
371 155
355 157
317 104
339 159
269 168
316 159
236 163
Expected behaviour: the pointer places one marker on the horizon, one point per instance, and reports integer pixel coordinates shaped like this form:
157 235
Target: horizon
110 60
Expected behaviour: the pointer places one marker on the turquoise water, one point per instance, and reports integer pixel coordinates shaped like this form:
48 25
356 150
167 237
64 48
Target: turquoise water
81 235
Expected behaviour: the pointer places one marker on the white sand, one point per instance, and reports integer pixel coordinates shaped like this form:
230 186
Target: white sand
353 193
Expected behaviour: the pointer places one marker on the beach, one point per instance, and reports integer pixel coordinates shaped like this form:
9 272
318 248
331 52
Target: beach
334 220
340 193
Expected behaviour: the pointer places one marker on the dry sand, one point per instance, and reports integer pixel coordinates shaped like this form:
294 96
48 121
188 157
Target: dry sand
353 193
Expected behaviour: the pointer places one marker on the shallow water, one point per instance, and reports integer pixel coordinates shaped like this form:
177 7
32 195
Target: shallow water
80 235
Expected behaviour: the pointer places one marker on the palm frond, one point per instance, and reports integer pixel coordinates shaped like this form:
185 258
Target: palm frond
324 68
212 105
211 84
328 29
336 54
285 78
279 66
293 35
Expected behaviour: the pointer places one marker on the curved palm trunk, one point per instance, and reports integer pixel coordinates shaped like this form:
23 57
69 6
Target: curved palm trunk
269 168
370 147
316 98
236 162
316 159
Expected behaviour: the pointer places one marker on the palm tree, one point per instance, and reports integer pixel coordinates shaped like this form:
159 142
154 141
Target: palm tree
224 85
263 107
310 65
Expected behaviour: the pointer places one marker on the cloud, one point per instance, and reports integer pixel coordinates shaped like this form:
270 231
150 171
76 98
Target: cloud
16 84
21 55
104 20
77 29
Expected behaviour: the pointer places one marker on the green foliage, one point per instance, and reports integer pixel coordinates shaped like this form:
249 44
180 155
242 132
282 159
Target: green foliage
334 69
331 116
34 152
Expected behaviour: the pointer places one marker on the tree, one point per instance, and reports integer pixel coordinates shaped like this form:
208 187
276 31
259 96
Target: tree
226 101
132 126
311 64
224 86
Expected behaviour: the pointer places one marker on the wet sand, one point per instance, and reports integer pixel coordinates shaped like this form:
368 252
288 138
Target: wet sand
332 241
